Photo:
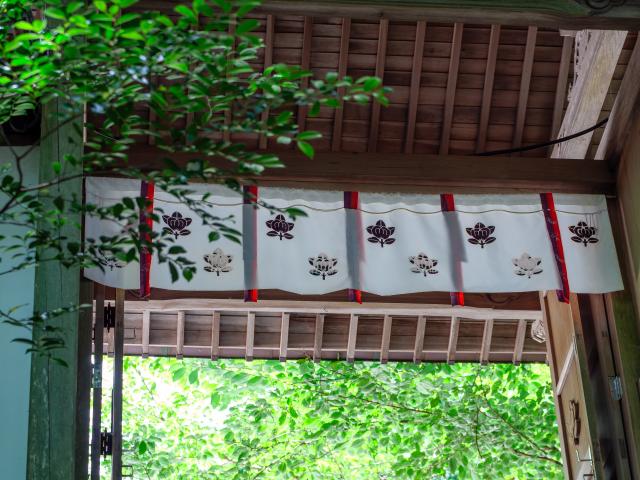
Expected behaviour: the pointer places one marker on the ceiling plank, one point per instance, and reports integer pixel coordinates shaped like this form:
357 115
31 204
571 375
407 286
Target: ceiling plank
284 336
486 341
343 60
268 61
561 86
215 335
414 89
317 338
519 344
453 340
525 83
487 90
386 339
146 319
305 64
624 112
548 14
381 56
351 341
452 82
600 51
251 328
180 335
419 344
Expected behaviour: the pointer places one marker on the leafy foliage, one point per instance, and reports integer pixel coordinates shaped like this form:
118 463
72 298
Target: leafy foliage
271 420
113 73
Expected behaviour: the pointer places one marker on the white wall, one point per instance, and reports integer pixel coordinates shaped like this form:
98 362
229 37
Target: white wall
15 289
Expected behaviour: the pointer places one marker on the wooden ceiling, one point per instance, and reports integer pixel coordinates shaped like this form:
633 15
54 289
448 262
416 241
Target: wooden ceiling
328 331
457 89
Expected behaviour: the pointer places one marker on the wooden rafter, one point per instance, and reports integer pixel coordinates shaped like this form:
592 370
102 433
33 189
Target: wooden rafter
351 340
419 343
215 335
381 56
486 341
386 338
624 112
453 340
317 338
414 89
146 328
345 35
305 63
268 60
525 82
561 86
519 344
180 335
594 74
284 336
487 90
251 328
452 83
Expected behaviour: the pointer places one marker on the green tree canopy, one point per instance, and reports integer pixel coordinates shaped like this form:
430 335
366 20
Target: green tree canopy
196 419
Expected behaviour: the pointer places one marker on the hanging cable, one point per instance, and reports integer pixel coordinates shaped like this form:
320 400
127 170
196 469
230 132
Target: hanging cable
526 148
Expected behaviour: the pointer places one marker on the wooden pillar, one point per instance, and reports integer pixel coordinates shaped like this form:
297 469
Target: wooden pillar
59 396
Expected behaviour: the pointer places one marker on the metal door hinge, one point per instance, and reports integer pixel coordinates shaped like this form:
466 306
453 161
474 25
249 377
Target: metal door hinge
106 443
615 385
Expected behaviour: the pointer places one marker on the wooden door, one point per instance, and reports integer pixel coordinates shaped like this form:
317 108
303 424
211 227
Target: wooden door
580 359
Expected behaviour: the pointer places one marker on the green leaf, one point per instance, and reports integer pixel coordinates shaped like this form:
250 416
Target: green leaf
306 148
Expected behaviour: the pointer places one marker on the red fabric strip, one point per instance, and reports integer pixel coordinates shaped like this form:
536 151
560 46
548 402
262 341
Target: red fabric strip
351 202
147 192
251 198
551 217
447 204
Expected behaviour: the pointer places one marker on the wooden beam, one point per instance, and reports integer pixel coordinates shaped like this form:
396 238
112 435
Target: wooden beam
116 403
486 341
268 60
419 343
351 341
525 82
624 112
251 327
96 419
146 320
452 82
317 338
561 86
338 308
567 13
599 59
215 335
305 63
284 336
343 60
453 340
487 90
519 343
381 56
566 368
386 339
398 172
180 335
414 89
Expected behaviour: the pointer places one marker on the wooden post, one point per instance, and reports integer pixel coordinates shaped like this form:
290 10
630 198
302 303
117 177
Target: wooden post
386 339
146 328
351 341
317 339
58 446
251 326
180 335
486 342
116 405
98 339
417 350
284 336
215 335
453 340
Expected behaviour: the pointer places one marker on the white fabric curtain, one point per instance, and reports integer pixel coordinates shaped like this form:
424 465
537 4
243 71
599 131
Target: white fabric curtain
391 244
